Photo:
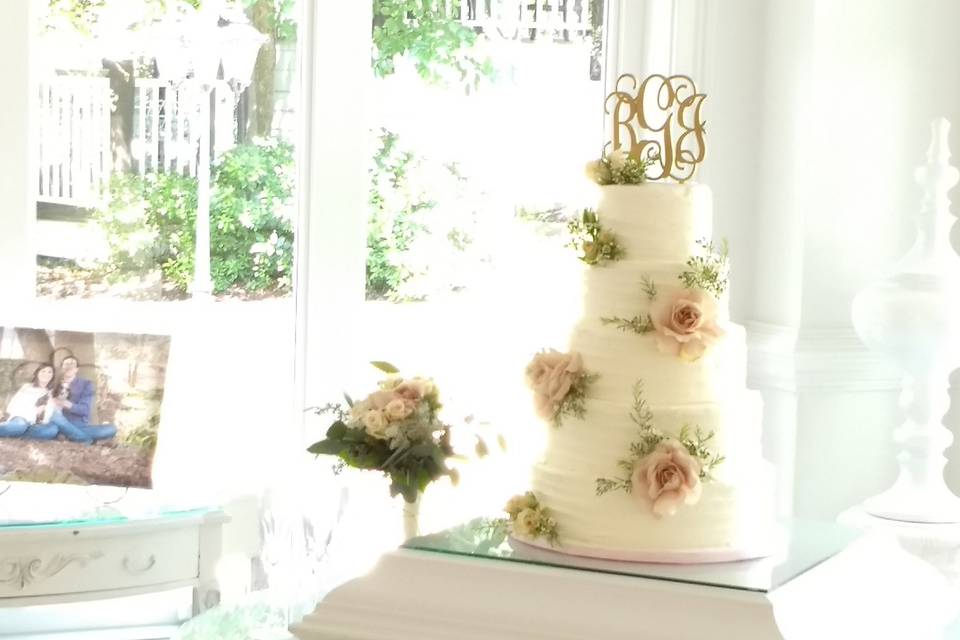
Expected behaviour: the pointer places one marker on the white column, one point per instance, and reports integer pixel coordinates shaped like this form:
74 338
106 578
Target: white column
332 239
644 37
18 179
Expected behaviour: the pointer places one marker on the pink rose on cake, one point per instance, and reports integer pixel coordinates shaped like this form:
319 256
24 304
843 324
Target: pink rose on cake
686 325
669 477
551 375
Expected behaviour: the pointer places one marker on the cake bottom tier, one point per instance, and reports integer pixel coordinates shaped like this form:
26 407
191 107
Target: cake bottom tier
734 519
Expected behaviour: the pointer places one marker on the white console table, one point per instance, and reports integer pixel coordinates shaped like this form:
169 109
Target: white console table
102 558
828 584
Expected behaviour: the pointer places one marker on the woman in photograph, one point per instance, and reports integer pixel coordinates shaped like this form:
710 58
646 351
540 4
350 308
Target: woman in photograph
30 409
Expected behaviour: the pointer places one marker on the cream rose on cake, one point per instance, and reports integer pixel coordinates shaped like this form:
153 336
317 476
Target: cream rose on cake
526 522
686 325
527 518
516 504
669 477
597 171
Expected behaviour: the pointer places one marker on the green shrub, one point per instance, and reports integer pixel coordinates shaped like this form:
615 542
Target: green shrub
395 217
440 48
423 227
143 436
151 220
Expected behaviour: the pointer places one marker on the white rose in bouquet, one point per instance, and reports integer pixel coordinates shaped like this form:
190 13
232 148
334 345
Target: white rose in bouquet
399 409
375 423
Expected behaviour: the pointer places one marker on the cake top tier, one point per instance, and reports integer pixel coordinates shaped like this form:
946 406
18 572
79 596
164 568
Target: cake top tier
657 221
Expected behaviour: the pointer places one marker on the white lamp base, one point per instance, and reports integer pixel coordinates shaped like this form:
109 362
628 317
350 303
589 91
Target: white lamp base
936 544
906 504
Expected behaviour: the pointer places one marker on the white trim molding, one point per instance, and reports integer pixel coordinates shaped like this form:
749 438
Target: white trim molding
814 359
337 75
18 160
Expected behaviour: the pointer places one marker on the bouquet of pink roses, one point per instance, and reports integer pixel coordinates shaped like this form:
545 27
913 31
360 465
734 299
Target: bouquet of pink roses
394 430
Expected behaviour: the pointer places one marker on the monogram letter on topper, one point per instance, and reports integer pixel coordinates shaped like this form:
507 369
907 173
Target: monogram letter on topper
668 107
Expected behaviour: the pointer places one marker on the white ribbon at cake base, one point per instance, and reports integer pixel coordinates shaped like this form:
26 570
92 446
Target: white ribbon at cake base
693 556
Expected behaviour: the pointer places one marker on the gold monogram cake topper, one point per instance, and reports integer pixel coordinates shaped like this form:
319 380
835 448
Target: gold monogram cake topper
669 107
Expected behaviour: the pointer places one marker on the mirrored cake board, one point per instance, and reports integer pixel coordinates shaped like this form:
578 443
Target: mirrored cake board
469 583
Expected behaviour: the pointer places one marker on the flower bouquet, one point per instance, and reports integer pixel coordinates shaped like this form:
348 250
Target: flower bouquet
394 430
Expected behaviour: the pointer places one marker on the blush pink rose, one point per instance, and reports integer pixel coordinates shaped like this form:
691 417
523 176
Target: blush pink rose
414 389
687 324
669 477
551 374
379 399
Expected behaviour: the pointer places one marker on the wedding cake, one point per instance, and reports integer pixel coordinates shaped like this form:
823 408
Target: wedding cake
653 449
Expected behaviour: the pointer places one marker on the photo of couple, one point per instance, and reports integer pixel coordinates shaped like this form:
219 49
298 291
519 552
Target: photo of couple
80 407
54 403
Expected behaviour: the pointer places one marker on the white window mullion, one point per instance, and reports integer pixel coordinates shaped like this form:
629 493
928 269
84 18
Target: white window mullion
18 167
332 240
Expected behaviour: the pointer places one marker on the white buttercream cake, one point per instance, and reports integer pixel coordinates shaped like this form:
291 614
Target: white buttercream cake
653 452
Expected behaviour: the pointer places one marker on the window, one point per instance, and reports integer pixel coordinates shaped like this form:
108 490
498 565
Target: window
145 119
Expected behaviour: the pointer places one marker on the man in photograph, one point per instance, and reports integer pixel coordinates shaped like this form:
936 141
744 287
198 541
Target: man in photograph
74 398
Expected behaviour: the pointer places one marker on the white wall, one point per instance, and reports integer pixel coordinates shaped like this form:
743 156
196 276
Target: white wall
17 206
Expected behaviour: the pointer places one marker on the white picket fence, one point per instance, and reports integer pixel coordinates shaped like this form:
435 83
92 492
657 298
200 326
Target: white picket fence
74 133
75 158
510 17
166 125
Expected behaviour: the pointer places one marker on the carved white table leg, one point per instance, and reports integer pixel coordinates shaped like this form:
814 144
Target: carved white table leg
206 595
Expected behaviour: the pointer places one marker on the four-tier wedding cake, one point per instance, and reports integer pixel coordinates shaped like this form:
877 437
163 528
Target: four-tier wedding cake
653 452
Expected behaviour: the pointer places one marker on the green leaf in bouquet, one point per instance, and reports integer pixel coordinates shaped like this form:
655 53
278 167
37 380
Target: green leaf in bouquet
398 456
355 436
409 492
396 486
426 450
429 451
346 396
423 478
326 447
364 457
386 367
401 483
337 430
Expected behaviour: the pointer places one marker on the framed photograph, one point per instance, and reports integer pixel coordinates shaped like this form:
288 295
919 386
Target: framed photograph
80 407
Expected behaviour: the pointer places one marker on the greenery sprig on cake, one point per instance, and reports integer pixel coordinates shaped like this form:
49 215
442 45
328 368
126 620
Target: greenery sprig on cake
649 288
642 323
619 167
661 470
594 243
708 271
